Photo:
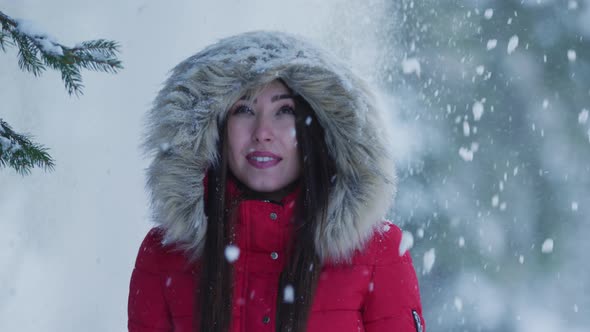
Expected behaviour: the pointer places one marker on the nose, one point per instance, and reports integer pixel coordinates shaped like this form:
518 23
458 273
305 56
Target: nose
263 131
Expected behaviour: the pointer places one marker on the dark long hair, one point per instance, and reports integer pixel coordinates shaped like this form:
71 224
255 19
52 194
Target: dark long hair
214 294
215 286
304 266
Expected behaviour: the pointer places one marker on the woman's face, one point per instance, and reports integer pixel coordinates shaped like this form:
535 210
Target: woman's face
263 151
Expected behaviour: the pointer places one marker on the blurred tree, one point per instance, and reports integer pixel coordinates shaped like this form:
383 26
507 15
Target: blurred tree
36 51
500 89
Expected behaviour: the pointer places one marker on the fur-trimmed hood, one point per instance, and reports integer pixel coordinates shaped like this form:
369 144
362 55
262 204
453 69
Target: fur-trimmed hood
182 135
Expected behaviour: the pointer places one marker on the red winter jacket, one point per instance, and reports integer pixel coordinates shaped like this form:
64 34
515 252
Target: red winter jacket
377 291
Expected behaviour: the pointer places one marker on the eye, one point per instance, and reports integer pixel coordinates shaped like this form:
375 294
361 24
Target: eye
242 109
286 110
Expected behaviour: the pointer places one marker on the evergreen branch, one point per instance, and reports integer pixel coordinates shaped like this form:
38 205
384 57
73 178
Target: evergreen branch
70 73
2 40
20 153
38 51
98 55
6 21
27 54
72 79
99 45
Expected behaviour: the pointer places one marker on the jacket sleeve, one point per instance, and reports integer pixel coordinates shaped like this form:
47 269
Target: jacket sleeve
393 300
147 307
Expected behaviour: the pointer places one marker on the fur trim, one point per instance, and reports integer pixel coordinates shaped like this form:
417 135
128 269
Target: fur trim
182 135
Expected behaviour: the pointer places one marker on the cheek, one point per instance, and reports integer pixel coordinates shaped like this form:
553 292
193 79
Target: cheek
235 141
237 135
232 158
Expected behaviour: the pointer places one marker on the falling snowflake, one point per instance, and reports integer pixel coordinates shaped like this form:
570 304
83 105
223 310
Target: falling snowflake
411 66
512 44
461 242
420 233
466 128
583 116
466 154
406 243
165 147
288 294
458 304
488 13
477 110
571 55
492 43
574 206
232 253
547 246
495 200
429 258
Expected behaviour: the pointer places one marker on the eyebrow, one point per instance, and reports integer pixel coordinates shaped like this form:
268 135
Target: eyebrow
272 99
279 97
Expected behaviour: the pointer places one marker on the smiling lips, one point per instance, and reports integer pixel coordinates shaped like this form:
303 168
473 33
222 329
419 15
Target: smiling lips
261 160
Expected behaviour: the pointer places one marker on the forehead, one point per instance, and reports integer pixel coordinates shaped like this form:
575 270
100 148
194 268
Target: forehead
275 90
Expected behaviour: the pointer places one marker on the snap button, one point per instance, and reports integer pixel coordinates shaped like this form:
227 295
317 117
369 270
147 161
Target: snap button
266 319
273 216
274 255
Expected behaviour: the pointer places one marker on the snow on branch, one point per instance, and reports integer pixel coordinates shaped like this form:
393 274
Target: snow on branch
38 50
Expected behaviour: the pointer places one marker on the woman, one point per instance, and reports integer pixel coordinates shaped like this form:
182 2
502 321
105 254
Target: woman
270 179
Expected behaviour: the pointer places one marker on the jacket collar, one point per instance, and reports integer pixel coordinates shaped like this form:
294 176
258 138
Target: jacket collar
235 190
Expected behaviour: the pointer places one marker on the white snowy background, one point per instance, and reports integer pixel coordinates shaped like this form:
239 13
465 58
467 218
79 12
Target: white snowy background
69 237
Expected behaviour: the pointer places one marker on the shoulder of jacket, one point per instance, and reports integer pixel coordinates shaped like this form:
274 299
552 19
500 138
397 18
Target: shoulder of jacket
155 256
385 247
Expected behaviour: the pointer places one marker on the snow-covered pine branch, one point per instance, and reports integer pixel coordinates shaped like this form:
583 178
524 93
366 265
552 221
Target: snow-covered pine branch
37 49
